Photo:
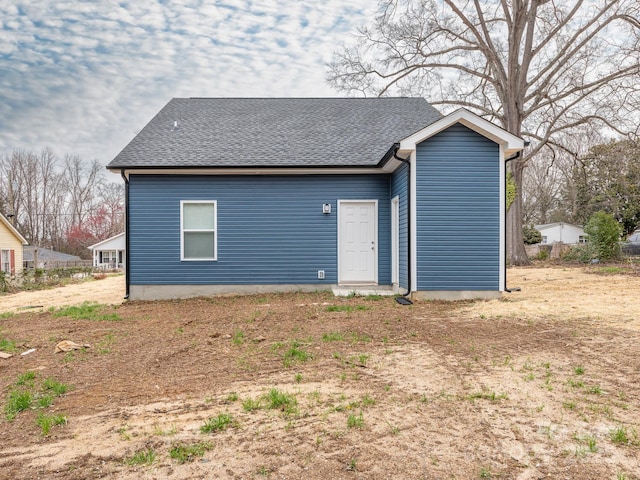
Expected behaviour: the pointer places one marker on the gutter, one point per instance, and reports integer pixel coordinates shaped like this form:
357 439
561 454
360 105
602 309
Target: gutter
126 234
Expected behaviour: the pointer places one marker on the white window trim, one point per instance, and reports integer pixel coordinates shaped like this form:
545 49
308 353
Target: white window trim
215 231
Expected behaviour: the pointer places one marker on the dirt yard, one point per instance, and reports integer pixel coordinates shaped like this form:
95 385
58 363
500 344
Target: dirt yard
544 383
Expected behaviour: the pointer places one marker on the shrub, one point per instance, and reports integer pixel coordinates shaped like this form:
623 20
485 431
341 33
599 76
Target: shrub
604 233
579 253
531 235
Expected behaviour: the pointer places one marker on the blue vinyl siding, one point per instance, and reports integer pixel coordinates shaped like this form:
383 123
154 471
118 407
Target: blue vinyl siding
399 189
458 211
271 229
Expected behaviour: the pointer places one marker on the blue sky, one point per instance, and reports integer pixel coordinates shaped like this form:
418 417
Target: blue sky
83 76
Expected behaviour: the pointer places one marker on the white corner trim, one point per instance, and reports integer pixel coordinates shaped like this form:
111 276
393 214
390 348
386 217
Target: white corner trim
414 223
502 282
510 142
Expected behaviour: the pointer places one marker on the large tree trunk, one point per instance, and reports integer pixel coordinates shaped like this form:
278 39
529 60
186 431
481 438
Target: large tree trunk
516 254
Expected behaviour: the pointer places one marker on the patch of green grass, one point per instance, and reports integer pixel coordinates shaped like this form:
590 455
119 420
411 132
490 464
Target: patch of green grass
25 395
589 441
27 379
575 383
295 354
612 270
263 471
216 424
277 400
57 388
87 311
7 345
104 347
47 422
363 359
276 346
250 404
485 472
297 378
595 389
374 297
333 337
18 401
232 397
142 457
187 452
238 337
45 401
367 401
488 395
355 421
360 338
6 315
157 430
347 308
579 370
622 436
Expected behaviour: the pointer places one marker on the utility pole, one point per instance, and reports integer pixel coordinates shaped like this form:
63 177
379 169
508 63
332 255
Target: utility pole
12 214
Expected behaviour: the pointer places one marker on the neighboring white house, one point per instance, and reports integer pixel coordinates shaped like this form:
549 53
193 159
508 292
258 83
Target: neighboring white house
561 232
110 253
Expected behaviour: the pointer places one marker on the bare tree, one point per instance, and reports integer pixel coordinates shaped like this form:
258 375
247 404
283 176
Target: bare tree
82 180
54 205
540 68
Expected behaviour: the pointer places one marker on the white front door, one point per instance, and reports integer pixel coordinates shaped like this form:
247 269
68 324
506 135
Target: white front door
357 241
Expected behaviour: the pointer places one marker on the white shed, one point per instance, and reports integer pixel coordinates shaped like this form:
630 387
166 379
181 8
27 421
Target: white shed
561 232
110 253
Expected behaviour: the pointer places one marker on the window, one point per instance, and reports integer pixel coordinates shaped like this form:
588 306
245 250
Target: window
5 261
582 239
198 230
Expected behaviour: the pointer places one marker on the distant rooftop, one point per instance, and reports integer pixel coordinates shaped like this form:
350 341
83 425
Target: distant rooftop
274 132
46 255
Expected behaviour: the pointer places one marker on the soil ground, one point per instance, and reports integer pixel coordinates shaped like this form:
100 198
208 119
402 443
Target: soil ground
544 383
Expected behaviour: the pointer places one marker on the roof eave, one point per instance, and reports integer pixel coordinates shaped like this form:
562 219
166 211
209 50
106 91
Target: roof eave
511 143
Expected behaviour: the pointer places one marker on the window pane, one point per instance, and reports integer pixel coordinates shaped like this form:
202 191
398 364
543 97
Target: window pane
198 216
199 245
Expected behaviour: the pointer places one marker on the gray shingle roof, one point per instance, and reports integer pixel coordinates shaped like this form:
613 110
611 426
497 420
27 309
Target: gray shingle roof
275 132
46 255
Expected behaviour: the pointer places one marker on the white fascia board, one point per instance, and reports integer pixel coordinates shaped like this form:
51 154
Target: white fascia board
250 171
509 142
99 244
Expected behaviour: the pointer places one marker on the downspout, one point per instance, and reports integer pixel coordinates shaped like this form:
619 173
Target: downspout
126 233
408 164
513 157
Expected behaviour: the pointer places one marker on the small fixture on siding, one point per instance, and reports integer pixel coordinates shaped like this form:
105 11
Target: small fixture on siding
320 274
326 208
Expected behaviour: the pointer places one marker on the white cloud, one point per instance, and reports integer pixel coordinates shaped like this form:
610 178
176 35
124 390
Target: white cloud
83 76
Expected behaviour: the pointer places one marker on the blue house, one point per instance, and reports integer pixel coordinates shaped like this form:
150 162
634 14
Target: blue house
232 195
